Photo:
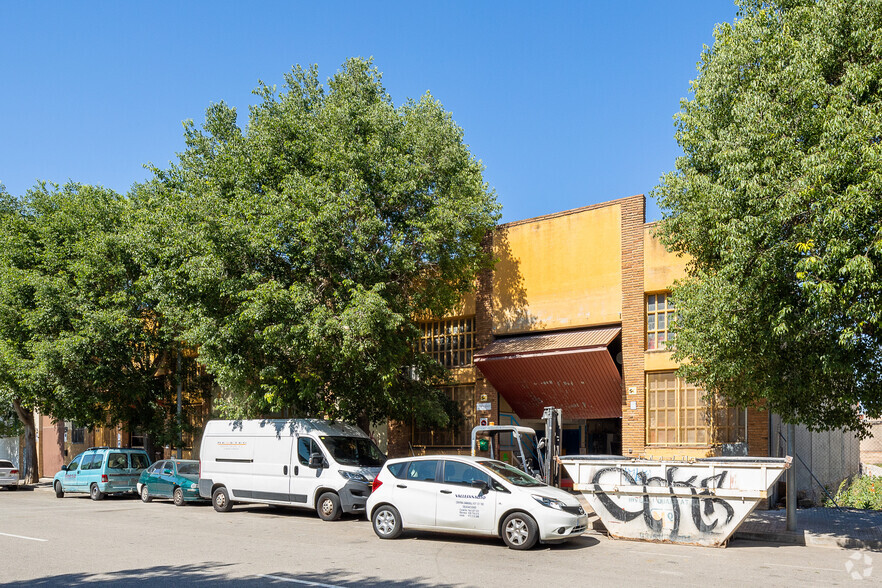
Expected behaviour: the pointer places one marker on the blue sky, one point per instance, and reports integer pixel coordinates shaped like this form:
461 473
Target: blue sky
566 103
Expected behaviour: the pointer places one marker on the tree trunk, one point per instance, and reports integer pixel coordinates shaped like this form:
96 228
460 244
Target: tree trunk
31 471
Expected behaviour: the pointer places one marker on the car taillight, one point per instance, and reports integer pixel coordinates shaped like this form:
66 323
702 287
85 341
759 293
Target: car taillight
376 484
103 477
14 472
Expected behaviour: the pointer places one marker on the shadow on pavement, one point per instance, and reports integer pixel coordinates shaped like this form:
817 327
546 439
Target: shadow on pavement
212 573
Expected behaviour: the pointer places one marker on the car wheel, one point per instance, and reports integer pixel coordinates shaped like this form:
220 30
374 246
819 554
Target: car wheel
145 494
520 531
328 506
14 487
59 491
95 493
387 522
221 500
178 496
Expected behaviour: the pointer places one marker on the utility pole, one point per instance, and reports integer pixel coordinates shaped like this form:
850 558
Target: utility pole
791 478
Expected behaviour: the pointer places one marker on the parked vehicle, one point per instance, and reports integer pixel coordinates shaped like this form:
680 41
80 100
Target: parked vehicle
100 471
177 479
8 475
308 463
472 495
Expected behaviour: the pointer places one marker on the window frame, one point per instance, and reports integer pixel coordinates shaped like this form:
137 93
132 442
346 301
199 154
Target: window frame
450 341
449 436
681 411
669 312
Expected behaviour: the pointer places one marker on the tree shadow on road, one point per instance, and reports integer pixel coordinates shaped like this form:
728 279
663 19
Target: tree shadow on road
214 574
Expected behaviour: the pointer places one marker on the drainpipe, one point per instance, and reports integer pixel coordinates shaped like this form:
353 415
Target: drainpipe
180 390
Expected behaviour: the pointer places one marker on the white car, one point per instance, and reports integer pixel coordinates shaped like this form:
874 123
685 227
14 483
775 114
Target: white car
474 495
8 474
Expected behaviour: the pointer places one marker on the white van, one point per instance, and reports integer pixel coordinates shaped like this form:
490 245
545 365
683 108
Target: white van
311 463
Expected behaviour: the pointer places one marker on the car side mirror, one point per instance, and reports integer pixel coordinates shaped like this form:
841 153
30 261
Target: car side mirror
484 487
316 460
64 468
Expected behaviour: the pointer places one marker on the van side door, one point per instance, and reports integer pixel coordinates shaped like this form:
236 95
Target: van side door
306 479
271 469
69 483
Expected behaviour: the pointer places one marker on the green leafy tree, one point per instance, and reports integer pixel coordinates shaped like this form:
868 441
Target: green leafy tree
777 201
296 253
78 338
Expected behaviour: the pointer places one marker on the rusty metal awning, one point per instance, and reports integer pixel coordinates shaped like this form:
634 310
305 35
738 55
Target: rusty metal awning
571 370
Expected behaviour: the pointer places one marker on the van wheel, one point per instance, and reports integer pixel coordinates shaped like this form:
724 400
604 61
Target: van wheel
520 531
387 522
59 492
178 497
95 493
145 494
220 498
328 506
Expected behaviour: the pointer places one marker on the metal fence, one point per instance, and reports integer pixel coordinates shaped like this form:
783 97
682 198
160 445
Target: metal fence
871 447
822 460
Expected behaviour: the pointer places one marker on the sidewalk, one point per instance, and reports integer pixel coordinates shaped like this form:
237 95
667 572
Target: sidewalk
820 527
824 527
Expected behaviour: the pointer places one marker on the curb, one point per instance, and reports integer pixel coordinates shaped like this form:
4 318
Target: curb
807 538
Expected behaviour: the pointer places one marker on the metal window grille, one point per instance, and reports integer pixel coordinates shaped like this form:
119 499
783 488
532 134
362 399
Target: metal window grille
451 342
458 433
677 413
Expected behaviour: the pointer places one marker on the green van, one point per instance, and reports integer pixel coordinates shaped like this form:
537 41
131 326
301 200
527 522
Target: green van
102 470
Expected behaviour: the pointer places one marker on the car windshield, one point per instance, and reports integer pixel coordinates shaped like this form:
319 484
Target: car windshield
356 451
188 468
510 474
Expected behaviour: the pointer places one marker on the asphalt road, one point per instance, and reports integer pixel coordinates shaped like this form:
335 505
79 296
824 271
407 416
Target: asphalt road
45 541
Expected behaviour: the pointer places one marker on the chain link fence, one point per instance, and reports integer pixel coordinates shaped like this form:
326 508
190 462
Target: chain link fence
822 460
871 447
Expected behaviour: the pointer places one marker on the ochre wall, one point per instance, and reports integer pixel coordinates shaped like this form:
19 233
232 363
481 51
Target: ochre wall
660 268
557 272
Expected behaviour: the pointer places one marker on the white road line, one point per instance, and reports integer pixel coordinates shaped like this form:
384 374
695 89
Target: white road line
22 537
804 567
296 581
660 554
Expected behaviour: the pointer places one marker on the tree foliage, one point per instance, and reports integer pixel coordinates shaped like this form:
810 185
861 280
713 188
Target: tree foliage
777 202
296 253
78 338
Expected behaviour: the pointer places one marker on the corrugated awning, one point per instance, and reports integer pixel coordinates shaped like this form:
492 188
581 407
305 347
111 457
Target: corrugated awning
572 370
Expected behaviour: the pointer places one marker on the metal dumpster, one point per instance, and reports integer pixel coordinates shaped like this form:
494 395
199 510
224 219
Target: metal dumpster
696 502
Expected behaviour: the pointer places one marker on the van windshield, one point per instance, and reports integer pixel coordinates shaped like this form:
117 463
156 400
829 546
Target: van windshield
355 451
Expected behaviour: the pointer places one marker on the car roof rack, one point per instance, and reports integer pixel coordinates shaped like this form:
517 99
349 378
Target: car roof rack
101 447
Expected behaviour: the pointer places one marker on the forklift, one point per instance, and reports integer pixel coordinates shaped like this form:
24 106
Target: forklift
534 456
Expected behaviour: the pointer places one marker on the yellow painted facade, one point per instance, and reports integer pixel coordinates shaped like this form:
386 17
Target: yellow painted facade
577 285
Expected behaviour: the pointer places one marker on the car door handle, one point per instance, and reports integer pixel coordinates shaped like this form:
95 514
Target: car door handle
296 470
401 485
446 492
285 470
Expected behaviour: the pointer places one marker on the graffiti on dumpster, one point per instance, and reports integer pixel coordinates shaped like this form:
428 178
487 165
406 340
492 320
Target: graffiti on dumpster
707 511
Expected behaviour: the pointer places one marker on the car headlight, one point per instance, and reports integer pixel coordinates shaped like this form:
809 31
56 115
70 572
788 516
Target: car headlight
354 476
549 502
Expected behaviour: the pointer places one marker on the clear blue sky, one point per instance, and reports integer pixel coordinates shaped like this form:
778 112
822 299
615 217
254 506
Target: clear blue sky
566 103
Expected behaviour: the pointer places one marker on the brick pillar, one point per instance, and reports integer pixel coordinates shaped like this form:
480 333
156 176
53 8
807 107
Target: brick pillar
484 333
633 331
757 433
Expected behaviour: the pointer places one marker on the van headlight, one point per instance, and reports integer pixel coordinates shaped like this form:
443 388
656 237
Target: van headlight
549 502
354 476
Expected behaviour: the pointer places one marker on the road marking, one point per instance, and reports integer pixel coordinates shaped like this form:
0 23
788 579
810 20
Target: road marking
296 581
803 567
660 554
22 537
